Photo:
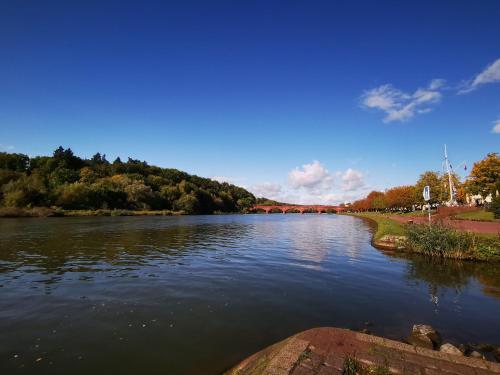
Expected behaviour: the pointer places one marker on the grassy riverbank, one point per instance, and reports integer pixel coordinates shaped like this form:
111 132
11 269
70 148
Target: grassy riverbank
436 241
58 212
385 226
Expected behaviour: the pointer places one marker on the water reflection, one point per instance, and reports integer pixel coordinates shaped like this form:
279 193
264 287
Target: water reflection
442 275
92 245
57 246
190 295
456 274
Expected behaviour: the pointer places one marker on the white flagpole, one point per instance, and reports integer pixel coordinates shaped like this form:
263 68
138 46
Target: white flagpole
449 175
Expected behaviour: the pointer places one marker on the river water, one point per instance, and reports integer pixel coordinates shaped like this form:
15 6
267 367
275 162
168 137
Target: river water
196 294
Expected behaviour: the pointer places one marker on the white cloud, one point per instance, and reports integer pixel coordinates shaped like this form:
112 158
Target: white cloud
489 75
352 180
314 184
496 127
310 176
268 190
401 106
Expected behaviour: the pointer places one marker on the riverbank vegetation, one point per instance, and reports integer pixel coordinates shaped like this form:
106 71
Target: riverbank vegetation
483 181
435 240
64 184
59 212
384 225
441 241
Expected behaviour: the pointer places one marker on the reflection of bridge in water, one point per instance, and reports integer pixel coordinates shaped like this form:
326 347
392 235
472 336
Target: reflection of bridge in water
286 208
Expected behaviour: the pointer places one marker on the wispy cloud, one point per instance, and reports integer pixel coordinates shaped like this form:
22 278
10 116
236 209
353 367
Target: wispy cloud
490 74
267 189
399 105
496 127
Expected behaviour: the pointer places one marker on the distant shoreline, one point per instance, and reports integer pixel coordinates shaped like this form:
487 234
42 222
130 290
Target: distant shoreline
8 212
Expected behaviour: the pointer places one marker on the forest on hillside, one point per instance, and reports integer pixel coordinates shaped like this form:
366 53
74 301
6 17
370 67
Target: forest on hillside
67 181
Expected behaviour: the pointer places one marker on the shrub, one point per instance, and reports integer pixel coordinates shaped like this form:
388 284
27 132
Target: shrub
489 248
438 240
495 207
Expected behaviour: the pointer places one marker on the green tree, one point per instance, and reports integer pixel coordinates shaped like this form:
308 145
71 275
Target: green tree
104 193
484 177
74 196
64 158
170 194
61 176
187 203
379 203
14 162
88 175
27 191
139 196
433 180
66 180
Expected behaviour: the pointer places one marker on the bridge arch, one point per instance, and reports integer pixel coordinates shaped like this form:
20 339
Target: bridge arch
297 209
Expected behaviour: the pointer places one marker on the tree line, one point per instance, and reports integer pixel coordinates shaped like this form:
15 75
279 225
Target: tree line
484 179
67 181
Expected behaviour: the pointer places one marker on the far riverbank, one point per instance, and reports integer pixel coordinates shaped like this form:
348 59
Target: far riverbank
14 212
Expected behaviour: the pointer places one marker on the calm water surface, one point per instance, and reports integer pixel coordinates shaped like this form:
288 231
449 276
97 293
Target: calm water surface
194 295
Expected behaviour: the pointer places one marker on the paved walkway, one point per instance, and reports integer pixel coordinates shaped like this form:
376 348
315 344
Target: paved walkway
466 225
322 351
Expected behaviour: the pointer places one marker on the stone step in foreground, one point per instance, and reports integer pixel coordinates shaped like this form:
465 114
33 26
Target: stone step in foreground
340 351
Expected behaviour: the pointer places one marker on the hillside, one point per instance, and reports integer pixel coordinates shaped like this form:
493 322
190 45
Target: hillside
67 181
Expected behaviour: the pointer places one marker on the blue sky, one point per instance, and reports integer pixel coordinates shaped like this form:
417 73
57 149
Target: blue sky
305 101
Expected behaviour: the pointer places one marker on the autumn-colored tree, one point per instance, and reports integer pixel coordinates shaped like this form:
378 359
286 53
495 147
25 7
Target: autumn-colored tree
461 195
484 179
360 205
374 200
372 196
401 197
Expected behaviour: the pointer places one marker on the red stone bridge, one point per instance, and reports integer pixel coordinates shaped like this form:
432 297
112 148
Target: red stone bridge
285 208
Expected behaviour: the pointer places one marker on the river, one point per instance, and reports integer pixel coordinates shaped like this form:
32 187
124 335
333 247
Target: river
196 294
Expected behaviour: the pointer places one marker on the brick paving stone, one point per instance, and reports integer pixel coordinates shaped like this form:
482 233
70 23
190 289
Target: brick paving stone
322 351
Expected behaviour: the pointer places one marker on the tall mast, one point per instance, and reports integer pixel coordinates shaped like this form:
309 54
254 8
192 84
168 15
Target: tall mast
450 183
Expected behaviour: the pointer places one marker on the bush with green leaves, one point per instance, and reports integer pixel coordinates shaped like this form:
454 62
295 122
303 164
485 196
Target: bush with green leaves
495 207
438 240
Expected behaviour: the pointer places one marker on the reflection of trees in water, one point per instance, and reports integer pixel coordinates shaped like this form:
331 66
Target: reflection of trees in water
489 277
447 273
93 248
